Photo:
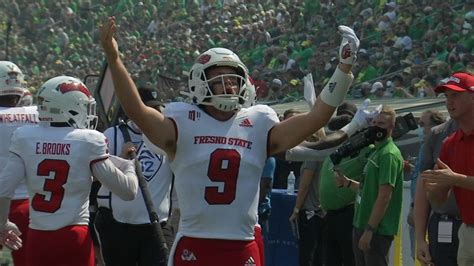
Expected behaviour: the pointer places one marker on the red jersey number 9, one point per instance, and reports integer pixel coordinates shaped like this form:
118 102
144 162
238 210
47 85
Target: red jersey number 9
224 167
54 186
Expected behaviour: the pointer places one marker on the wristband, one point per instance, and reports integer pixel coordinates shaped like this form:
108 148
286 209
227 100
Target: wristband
370 228
296 210
351 128
336 89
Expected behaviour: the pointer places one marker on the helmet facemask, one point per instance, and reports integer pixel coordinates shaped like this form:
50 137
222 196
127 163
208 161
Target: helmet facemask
86 119
203 91
226 100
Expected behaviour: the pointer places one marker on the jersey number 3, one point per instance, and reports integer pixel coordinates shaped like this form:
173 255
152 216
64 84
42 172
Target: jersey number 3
54 186
224 167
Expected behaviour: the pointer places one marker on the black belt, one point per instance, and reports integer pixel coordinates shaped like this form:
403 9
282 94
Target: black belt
470 225
446 217
340 210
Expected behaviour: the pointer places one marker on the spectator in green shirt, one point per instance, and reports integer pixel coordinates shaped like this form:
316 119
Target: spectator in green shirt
379 197
367 72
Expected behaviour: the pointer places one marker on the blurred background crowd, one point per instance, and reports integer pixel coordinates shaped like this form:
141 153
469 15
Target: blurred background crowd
407 46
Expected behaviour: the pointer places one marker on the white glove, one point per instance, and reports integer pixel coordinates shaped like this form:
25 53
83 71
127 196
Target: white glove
309 94
364 114
349 45
10 236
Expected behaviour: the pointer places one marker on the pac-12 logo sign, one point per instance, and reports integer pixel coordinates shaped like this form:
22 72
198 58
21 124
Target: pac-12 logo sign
150 162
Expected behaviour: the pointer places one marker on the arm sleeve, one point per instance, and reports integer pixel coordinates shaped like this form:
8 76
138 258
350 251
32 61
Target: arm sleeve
301 154
269 169
12 175
118 175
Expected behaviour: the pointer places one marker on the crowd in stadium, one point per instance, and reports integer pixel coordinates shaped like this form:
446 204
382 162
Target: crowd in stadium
279 41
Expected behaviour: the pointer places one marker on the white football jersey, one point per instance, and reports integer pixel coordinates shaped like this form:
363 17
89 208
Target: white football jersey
10 119
58 172
217 167
157 173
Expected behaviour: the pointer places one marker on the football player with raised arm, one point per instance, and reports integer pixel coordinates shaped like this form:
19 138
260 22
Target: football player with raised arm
58 159
217 148
12 116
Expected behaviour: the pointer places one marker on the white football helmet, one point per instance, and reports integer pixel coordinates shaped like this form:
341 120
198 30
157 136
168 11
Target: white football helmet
200 90
12 80
66 99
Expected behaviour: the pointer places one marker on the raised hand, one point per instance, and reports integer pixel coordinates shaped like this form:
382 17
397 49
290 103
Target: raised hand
349 45
107 40
364 114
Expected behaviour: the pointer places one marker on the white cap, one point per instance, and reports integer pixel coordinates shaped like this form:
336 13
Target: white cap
276 82
376 86
466 26
368 12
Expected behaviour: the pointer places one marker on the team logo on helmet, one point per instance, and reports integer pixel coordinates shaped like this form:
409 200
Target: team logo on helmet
203 59
12 69
73 86
13 78
13 75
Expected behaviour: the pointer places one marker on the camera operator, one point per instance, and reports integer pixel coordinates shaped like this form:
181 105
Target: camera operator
379 196
348 120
